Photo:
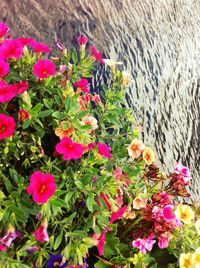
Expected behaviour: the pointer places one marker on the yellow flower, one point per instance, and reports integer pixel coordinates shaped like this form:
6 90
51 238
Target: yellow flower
136 148
197 226
112 63
126 79
184 213
186 260
148 155
196 258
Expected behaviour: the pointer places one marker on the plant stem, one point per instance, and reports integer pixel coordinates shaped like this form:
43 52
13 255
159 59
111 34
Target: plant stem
131 226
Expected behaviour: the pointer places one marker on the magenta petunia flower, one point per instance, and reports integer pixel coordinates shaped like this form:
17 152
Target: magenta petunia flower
42 187
44 68
70 149
7 92
104 150
83 84
39 47
184 171
3 248
82 40
22 86
96 54
23 115
101 240
41 233
7 126
4 29
11 49
4 68
116 215
25 41
168 212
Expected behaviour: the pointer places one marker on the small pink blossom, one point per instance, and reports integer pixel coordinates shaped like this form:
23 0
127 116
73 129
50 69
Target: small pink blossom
144 244
11 49
7 126
3 248
101 240
104 150
70 149
168 212
184 171
82 40
83 84
39 47
96 99
116 215
164 239
23 115
4 29
22 86
96 54
62 69
44 68
89 147
41 233
4 68
7 92
10 235
42 187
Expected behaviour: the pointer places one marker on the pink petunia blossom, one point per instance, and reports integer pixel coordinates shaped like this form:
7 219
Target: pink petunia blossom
104 150
39 47
117 214
3 248
70 149
22 86
44 68
7 126
144 244
184 171
164 239
96 99
105 199
89 147
82 40
4 68
11 49
101 240
8 92
168 212
42 187
23 115
4 29
41 233
96 54
25 41
83 84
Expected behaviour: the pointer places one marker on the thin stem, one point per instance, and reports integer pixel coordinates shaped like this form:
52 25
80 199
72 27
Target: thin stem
131 226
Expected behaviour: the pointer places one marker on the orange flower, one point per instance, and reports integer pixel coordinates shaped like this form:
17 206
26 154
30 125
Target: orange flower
148 155
136 148
64 130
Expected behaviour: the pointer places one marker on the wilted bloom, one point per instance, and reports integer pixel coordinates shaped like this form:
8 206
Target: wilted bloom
104 150
186 260
126 79
163 239
91 121
70 149
139 202
117 215
184 213
64 130
32 249
7 92
61 47
197 226
82 40
44 68
4 29
136 148
96 99
41 233
11 49
39 47
42 187
148 155
184 171
23 115
62 68
112 63
4 68
101 240
96 54
196 258
7 126
8 238
56 261
22 86
128 214
144 244
83 85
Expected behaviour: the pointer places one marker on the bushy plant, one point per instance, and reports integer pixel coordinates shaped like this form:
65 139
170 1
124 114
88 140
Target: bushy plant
79 188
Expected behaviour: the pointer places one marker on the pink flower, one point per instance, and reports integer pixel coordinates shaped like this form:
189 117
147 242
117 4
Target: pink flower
39 47
7 92
42 187
22 86
83 84
89 147
105 199
11 49
41 233
2 248
25 41
7 126
101 240
70 149
96 99
168 212
96 54
8 238
184 171
44 68
82 40
23 115
4 29
4 68
104 150
117 214
144 244
164 239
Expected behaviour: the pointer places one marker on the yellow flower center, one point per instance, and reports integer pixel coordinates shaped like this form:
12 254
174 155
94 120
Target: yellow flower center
42 188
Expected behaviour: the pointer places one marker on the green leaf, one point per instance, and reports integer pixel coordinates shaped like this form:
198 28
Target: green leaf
68 104
45 113
57 115
26 123
89 202
74 56
58 240
37 108
101 264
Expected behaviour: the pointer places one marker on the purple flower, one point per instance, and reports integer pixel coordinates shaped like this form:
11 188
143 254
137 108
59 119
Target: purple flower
56 261
144 244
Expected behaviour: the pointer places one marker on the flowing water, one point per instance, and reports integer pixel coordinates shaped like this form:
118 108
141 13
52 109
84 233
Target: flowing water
159 43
